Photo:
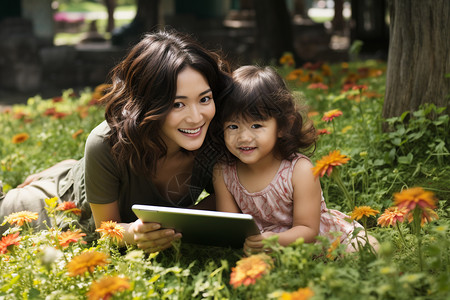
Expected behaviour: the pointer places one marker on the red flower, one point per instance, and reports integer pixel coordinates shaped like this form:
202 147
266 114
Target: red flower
330 115
318 85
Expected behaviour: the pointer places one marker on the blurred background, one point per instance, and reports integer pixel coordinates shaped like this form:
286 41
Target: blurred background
48 45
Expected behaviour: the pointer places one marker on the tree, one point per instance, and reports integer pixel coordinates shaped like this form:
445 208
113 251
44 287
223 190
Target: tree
274 25
419 55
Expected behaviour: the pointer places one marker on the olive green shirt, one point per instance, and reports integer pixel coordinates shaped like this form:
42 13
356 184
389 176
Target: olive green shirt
106 182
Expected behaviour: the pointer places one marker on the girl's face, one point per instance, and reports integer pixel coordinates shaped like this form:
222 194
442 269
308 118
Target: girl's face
193 109
251 141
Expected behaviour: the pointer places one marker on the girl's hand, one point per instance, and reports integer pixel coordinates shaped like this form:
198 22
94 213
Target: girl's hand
151 238
253 244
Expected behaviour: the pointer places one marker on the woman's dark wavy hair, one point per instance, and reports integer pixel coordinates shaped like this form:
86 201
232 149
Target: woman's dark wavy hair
259 93
143 91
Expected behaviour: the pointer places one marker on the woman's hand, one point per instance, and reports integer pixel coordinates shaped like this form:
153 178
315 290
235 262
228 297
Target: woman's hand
253 244
151 238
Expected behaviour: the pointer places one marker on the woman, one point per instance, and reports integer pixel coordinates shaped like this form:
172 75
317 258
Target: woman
153 148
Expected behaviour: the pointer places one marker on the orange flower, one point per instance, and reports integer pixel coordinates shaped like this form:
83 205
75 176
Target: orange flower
322 131
427 216
20 138
326 164
106 287
69 207
391 216
363 211
287 59
111 230
86 262
77 133
21 217
413 197
249 269
99 92
326 70
68 237
294 74
9 240
334 245
330 115
300 294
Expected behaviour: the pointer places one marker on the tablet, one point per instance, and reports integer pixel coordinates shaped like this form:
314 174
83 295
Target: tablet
203 227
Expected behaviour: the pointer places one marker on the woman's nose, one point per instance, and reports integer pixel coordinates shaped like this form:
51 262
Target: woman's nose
194 115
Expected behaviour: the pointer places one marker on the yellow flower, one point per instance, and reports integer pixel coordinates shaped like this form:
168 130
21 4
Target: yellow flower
347 128
68 237
413 197
363 211
300 294
326 163
106 287
111 230
249 269
86 262
20 218
20 138
391 216
330 115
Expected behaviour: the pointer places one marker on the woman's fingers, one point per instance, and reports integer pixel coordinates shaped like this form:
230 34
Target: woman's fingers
151 238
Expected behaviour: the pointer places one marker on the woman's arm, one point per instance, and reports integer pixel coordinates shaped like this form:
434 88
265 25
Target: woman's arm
146 236
306 210
224 199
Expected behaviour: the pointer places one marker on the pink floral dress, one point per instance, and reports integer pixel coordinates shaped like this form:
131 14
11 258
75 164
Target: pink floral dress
272 207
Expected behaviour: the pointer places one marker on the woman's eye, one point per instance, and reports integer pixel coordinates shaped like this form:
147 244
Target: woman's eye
256 126
205 99
178 105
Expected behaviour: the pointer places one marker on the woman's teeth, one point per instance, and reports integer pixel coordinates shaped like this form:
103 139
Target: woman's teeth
190 131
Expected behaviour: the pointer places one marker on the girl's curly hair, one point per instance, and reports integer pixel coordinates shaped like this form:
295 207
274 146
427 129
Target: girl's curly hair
259 93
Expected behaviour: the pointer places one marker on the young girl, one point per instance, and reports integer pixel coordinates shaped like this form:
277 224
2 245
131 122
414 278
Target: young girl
153 147
263 174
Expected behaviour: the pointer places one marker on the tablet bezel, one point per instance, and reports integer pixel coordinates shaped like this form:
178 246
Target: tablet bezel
203 227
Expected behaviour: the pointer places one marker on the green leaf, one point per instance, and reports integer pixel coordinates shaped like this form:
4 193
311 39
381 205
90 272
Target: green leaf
406 160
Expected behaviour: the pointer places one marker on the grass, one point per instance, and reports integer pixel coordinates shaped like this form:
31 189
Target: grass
412 263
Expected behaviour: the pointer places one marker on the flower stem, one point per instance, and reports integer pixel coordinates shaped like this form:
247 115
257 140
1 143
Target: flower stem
400 233
417 219
350 202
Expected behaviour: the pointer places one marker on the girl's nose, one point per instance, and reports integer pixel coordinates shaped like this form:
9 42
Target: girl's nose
244 135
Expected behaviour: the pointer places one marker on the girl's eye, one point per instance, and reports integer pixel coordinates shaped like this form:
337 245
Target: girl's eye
178 105
205 99
232 126
255 126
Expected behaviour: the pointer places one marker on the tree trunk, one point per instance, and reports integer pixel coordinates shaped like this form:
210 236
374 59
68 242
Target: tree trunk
419 55
274 26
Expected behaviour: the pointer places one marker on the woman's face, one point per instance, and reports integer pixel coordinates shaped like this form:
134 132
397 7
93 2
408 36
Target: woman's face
193 109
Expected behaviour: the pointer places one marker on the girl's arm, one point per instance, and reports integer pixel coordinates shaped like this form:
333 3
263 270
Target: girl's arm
146 236
306 210
224 199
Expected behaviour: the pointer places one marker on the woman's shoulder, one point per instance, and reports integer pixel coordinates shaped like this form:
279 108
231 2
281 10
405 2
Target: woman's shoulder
96 139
